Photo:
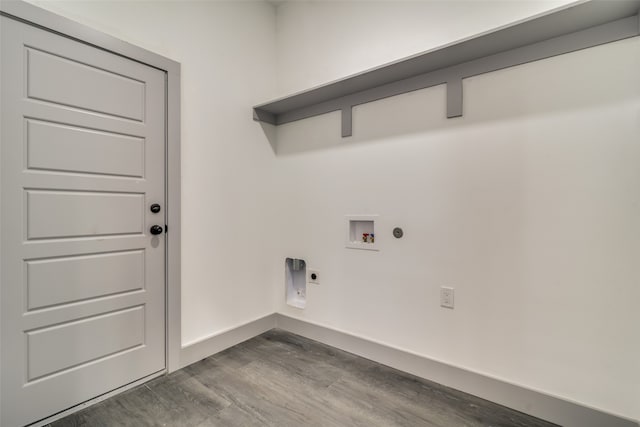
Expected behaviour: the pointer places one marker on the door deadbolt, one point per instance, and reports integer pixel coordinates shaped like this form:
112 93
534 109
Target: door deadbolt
155 208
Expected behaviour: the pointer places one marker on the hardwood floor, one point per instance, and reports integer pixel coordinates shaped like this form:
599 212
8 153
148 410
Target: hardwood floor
282 379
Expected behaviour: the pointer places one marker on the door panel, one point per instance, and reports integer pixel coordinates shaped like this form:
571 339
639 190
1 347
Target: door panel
57 281
67 82
82 295
67 214
105 153
76 342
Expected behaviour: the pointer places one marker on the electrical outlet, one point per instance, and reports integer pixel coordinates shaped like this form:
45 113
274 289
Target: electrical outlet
313 276
446 297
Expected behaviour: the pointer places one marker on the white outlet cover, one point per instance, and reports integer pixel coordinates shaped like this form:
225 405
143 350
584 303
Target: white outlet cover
446 297
310 279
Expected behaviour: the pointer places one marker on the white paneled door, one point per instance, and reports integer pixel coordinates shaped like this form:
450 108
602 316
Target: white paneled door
83 276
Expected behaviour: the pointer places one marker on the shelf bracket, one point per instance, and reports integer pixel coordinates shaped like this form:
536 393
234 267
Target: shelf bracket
454 98
347 120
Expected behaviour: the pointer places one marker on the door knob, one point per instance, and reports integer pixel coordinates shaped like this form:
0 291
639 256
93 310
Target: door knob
156 229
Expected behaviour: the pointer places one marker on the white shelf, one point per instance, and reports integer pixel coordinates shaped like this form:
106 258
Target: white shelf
567 29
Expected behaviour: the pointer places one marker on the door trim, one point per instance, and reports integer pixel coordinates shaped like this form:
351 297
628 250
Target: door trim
60 25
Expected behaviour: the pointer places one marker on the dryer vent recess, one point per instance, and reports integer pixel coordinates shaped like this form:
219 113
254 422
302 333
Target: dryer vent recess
295 282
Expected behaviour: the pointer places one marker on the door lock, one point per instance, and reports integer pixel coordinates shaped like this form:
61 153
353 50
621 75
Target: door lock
156 229
155 208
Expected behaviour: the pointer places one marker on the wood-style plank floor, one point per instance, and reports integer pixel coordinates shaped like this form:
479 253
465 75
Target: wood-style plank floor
281 379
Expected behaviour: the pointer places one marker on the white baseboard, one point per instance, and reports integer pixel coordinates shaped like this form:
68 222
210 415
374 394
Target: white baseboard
208 346
538 404
532 402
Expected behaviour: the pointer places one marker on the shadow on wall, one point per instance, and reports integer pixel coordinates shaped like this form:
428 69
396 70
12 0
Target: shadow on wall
270 131
575 81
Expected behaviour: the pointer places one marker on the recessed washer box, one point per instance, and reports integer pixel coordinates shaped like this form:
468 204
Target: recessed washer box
361 232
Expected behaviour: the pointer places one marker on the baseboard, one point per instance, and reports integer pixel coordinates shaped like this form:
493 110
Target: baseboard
532 402
535 403
213 344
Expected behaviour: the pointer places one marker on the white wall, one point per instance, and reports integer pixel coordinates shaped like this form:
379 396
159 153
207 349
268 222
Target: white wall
320 41
528 205
227 52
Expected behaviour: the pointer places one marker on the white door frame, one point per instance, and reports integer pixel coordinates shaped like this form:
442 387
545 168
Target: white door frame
33 15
